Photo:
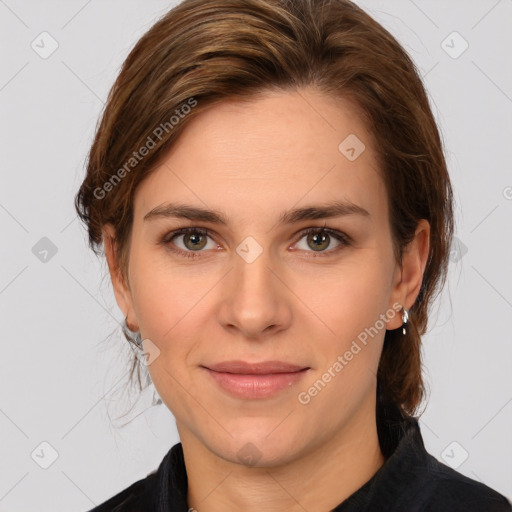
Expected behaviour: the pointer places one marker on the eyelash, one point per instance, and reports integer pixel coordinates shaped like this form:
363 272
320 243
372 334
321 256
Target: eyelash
343 238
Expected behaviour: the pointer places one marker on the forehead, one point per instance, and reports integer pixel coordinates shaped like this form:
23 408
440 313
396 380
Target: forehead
260 157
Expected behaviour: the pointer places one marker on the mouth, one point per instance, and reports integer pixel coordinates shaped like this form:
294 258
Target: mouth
255 380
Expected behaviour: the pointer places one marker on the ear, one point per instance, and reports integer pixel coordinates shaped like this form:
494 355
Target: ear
121 288
409 276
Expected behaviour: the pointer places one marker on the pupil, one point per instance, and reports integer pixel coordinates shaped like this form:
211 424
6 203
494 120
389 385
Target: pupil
195 239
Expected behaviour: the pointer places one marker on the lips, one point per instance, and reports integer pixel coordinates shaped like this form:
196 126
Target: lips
263 368
251 381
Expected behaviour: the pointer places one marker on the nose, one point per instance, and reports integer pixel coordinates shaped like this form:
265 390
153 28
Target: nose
255 301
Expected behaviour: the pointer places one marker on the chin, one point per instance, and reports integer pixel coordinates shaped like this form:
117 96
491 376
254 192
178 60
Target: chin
260 445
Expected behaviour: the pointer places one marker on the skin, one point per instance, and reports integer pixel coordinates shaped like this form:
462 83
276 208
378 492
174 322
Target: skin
286 305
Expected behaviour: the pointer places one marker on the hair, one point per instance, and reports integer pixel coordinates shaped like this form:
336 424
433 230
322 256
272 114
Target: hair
202 52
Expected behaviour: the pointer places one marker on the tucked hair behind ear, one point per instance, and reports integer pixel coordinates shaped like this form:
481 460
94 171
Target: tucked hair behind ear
204 51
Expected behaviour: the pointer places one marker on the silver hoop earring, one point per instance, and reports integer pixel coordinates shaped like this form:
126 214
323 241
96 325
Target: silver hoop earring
133 335
405 317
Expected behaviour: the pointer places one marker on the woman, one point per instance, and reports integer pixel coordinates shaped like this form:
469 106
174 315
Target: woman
270 188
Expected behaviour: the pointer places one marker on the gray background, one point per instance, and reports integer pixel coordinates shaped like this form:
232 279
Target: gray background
64 362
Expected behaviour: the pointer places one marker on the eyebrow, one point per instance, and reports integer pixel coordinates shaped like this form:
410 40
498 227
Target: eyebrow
329 210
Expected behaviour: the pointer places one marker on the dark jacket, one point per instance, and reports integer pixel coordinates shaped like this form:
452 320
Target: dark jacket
411 480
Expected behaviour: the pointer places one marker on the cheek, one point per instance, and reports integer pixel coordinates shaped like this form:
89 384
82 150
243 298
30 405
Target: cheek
349 297
349 303
171 307
166 306
162 293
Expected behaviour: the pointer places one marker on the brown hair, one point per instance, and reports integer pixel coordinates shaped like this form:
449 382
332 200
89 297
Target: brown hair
204 51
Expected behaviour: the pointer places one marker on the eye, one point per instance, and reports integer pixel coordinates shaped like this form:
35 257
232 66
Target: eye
192 240
321 238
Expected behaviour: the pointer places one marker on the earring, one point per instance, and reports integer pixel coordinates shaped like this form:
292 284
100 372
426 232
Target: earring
405 317
133 335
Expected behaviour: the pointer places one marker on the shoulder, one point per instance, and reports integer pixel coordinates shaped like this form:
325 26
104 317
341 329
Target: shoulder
448 489
138 496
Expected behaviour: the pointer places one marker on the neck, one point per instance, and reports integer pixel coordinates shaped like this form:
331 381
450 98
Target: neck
316 482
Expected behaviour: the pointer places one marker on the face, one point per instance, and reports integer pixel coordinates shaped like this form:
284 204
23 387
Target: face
257 287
